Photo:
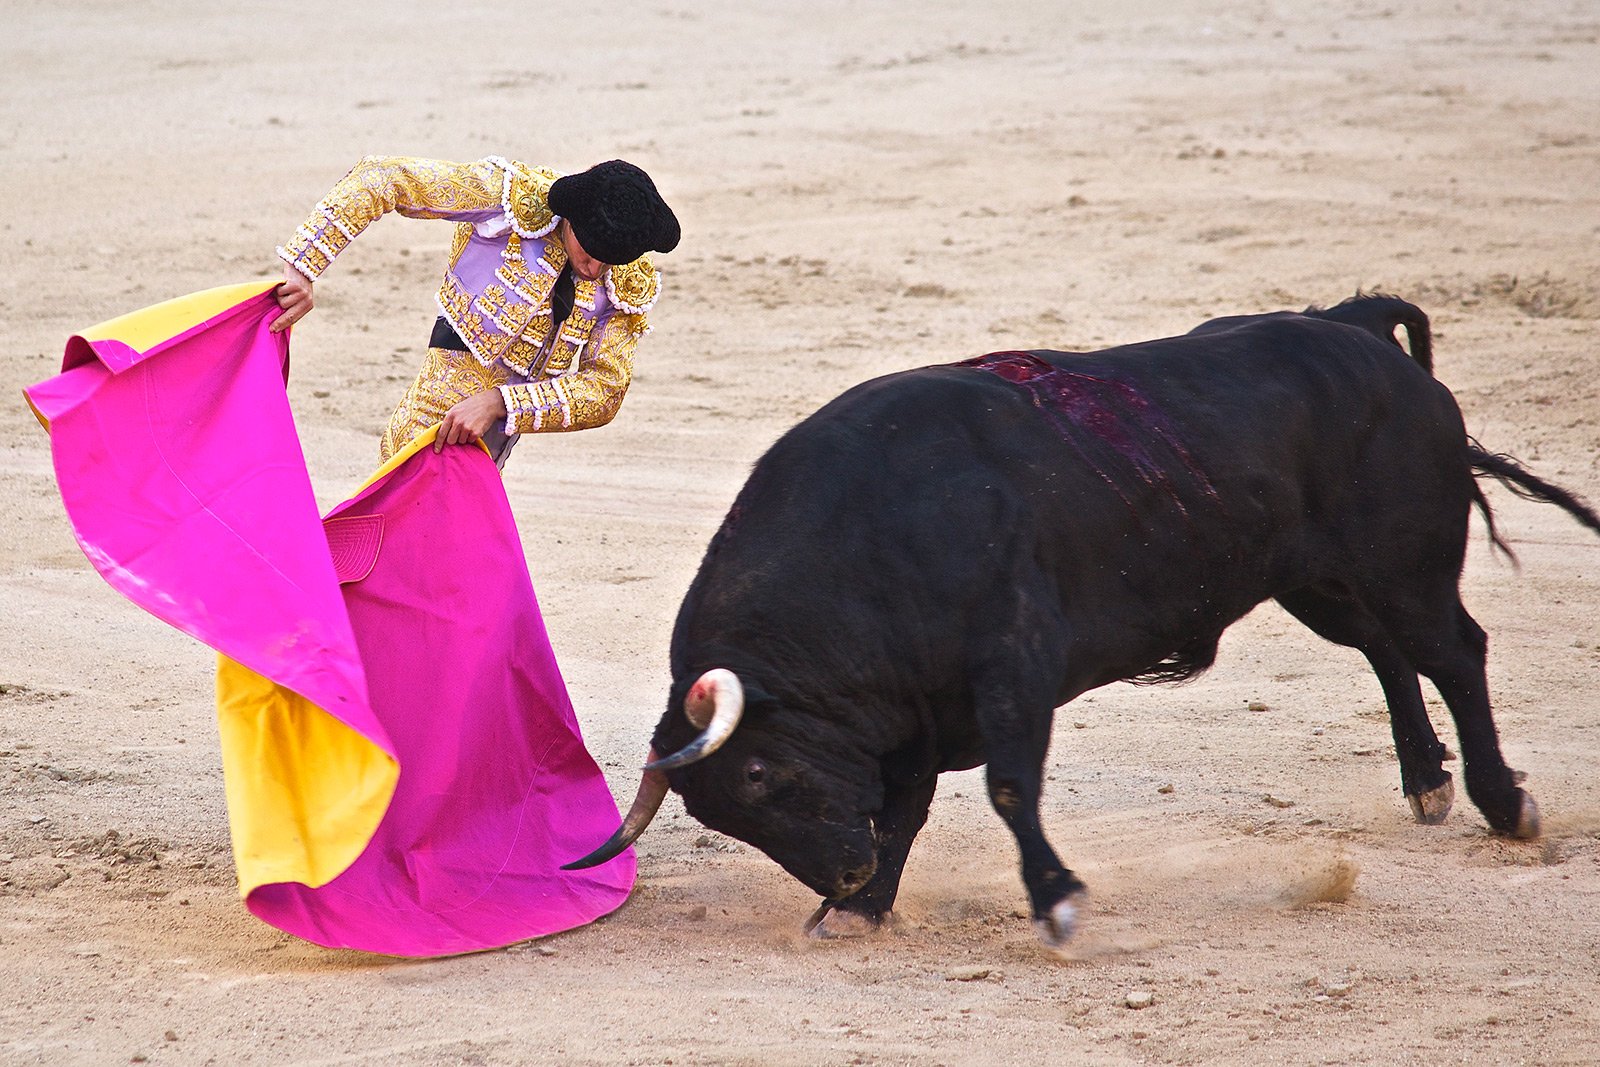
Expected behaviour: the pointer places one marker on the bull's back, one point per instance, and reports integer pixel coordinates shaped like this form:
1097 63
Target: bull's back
1246 462
1259 429
1304 437
1306 430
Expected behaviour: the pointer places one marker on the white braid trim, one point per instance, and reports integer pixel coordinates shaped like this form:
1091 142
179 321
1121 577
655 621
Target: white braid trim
456 326
633 309
566 404
302 267
492 317
327 213
505 200
316 242
511 411
505 279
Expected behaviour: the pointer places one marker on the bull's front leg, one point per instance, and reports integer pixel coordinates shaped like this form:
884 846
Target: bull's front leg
1055 892
1016 738
905 811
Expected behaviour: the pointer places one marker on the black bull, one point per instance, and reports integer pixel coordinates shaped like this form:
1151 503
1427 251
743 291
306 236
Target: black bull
914 577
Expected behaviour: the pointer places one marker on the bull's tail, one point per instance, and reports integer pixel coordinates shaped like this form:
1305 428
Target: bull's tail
1517 478
1381 315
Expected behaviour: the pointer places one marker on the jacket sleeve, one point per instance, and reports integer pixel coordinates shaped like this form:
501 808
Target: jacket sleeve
586 397
416 188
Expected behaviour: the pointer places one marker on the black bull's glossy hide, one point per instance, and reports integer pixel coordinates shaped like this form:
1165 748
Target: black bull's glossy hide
914 577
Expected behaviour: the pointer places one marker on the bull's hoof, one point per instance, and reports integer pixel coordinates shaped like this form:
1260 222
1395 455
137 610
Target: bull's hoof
1057 928
1525 826
829 923
1527 819
1430 808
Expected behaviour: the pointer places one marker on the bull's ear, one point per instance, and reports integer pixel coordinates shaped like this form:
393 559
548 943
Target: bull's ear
755 696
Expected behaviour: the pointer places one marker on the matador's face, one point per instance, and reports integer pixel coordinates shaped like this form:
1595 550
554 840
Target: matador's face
584 265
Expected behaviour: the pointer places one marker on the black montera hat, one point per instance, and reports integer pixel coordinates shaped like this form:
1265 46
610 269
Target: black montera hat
615 211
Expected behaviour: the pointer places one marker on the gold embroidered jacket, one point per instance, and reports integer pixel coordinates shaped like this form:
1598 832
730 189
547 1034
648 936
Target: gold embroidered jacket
496 289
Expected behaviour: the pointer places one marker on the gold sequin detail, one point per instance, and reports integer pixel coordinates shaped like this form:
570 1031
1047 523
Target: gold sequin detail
586 369
634 286
528 199
458 244
416 188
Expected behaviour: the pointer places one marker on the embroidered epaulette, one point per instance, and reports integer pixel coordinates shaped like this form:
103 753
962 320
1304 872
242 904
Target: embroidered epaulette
527 198
633 287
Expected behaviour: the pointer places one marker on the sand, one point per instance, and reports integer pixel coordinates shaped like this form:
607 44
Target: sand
863 188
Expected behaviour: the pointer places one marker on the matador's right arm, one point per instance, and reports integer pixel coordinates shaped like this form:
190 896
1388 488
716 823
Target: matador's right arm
416 188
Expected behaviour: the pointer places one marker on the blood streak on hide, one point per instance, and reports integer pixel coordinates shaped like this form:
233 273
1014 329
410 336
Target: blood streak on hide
1110 424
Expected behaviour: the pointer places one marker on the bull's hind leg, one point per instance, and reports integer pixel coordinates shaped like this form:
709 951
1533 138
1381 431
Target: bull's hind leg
1335 616
1450 649
905 810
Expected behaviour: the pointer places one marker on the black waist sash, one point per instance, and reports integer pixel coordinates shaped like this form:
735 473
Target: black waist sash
445 336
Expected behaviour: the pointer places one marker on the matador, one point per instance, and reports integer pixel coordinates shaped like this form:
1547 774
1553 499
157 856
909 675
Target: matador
543 301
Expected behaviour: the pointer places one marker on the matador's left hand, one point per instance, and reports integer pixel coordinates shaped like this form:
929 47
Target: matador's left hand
470 419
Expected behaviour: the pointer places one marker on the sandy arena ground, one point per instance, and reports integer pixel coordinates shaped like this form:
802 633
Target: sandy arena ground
863 188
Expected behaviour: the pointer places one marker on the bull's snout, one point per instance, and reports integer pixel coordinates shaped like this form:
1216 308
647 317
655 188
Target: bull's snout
835 876
852 880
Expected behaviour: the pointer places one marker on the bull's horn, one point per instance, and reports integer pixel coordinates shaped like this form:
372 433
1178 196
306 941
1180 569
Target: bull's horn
714 704
652 790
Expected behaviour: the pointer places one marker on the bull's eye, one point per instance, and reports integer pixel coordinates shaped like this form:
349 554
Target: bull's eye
755 772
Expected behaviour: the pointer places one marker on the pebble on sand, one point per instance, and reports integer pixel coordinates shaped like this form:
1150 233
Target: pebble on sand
967 974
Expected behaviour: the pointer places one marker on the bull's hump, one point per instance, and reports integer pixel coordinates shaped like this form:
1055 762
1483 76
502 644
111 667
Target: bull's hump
1111 422
1012 365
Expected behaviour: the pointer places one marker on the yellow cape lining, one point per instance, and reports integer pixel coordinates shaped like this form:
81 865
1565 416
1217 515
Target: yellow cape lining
305 792
142 330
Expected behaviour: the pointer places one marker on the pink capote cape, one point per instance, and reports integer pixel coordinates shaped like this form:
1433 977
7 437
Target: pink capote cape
403 767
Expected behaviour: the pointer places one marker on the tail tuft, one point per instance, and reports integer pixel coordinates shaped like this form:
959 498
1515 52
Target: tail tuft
1517 478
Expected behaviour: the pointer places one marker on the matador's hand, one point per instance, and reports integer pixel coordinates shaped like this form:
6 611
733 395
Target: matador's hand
294 296
470 419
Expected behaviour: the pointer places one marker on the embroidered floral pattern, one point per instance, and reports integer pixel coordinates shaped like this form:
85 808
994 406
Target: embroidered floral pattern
526 197
586 397
445 379
416 188
458 244
633 287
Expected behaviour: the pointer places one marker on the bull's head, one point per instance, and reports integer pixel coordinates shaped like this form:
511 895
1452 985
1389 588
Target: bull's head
774 784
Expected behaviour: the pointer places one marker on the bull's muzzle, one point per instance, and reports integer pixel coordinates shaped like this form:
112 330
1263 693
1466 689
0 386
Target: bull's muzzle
851 881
